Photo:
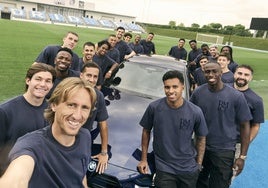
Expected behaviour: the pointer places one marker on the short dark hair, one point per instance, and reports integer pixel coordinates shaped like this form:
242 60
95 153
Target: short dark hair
104 42
203 57
128 34
204 45
182 39
151 33
193 40
89 44
89 65
120 27
246 67
224 55
173 74
66 50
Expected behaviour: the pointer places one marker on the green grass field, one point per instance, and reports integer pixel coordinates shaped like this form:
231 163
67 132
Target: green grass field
21 42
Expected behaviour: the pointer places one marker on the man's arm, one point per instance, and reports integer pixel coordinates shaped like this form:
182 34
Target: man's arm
84 182
103 156
130 55
143 165
18 173
110 72
200 148
254 129
244 138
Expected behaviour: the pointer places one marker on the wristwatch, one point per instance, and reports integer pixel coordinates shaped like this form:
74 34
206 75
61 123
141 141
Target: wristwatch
243 157
104 153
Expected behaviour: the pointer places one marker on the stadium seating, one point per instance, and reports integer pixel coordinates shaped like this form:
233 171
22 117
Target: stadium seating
18 13
36 15
91 22
135 27
107 23
57 18
75 20
121 24
53 17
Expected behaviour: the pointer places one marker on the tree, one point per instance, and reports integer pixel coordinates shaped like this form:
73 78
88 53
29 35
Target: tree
172 24
181 25
216 26
195 25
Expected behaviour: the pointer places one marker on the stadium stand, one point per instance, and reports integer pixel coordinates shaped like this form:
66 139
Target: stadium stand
91 22
122 24
36 15
75 20
107 23
18 13
57 18
135 27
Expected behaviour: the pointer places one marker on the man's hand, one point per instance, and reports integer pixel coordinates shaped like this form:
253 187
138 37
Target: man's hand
238 165
102 162
143 167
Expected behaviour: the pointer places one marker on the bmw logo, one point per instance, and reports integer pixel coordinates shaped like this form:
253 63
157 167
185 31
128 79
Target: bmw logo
92 166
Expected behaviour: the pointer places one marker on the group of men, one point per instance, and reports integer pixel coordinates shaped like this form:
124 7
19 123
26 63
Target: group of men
225 117
37 150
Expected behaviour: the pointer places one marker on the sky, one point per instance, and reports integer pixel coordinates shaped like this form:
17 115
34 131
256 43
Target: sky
225 12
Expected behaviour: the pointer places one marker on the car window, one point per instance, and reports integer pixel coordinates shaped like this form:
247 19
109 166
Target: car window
142 78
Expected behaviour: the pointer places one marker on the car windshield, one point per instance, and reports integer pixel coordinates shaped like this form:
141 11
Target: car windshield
143 79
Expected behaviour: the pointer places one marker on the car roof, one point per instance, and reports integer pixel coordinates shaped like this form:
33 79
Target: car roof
161 61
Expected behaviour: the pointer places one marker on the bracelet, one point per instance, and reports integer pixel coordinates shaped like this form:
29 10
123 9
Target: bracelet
104 153
110 72
243 157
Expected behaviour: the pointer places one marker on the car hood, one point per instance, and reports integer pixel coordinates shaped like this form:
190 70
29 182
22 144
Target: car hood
125 133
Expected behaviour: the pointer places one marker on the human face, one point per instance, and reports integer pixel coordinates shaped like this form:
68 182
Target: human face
63 61
102 49
127 39
91 75
193 45
181 43
205 50
112 40
242 77
223 61
70 41
173 89
212 72
88 52
120 33
150 37
71 115
137 38
213 51
226 50
40 84
202 62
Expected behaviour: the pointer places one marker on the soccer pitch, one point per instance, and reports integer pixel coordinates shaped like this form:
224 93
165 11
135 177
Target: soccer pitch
21 42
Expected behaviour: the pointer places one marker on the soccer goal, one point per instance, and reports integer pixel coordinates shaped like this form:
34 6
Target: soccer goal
205 38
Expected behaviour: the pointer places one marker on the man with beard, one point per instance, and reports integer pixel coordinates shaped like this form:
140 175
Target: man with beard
225 109
90 74
63 61
88 53
243 75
